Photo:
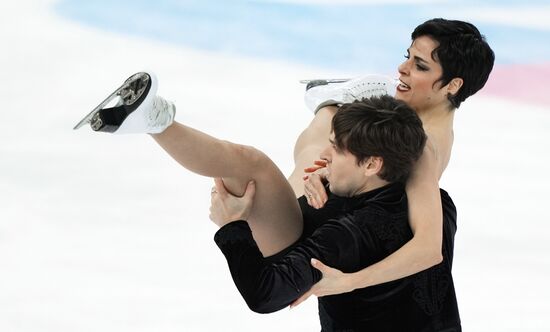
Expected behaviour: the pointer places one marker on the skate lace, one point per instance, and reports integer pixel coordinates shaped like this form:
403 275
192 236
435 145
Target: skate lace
363 89
162 113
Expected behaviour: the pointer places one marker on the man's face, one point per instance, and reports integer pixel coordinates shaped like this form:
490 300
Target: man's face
345 177
418 74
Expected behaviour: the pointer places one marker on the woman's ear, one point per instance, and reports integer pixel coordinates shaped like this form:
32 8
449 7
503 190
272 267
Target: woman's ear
454 86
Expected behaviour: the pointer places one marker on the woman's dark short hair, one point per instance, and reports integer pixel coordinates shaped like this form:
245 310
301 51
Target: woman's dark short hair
382 127
462 52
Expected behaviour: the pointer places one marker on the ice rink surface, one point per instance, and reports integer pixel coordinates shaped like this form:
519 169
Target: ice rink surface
107 233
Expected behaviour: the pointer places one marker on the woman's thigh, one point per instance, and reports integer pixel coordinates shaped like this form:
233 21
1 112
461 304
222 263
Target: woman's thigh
275 219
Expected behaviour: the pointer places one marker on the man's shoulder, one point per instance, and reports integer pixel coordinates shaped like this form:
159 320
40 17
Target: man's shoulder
391 202
388 202
385 218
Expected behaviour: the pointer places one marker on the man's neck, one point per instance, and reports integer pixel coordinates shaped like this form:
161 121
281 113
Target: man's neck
372 184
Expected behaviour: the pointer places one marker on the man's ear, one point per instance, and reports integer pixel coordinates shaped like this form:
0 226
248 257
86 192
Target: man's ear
454 86
373 166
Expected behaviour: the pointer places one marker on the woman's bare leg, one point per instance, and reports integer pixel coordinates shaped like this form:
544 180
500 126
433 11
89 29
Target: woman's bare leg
309 145
275 220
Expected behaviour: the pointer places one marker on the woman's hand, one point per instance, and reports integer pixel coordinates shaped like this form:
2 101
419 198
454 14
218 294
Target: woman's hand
333 282
314 184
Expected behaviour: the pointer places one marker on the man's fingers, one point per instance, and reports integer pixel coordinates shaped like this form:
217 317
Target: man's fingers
220 187
250 190
214 199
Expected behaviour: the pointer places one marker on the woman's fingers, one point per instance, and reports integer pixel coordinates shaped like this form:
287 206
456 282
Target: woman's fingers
315 191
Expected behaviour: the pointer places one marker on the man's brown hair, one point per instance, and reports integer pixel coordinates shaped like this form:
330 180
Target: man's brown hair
381 127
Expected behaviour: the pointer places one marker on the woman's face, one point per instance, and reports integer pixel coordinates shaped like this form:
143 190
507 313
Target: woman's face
418 74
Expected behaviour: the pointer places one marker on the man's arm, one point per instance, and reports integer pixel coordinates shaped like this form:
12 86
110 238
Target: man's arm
270 284
266 286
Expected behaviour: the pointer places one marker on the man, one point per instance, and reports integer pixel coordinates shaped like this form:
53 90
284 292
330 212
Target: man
374 144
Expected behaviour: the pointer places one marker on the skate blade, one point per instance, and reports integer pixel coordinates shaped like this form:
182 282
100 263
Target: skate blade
128 93
327 80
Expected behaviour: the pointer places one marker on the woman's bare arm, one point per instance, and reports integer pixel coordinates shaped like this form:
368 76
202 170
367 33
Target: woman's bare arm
420 253
426 220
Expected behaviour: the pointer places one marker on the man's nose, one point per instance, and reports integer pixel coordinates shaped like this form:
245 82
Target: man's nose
325 154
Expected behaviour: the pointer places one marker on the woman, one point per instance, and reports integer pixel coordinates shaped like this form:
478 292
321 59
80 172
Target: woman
447 62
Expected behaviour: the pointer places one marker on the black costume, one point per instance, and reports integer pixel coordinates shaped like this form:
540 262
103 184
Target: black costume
349 234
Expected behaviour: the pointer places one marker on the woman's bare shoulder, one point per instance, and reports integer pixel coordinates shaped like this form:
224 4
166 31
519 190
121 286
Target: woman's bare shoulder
439 147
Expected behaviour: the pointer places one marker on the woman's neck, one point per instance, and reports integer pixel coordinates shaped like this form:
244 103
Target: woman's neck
438 124
437 118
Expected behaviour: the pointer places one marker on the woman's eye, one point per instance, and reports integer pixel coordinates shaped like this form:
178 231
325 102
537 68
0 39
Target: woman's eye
421 68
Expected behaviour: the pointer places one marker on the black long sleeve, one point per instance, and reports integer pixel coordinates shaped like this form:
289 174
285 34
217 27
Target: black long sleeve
269 286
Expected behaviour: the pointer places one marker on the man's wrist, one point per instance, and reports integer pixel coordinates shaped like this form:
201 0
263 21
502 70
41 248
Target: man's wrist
226 221
232 223
232 232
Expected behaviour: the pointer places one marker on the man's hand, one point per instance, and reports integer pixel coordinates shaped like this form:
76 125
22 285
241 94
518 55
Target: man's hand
225 208
314 184
333 282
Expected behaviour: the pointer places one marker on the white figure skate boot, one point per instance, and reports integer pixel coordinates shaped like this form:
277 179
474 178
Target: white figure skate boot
137 109
321 93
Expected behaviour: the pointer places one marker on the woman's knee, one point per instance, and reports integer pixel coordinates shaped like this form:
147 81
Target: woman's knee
251 153
256 160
